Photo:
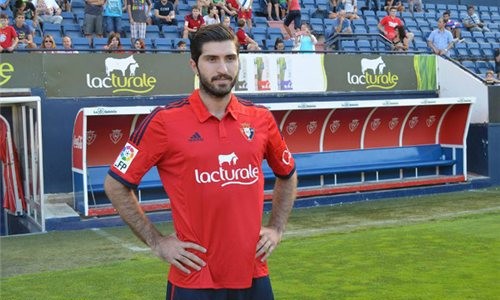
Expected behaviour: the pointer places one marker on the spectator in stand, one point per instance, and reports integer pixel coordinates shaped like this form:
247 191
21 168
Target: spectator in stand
294 15
390 3
415 6
139 46
400 41
181 46
233 6
221 7
246 14
341 24
333 7
24 33
4 4
8 35
212 17
48 43
279 45
440 40
227 22
192 23
372 5
497 62
138 12
351 9
164 13
305 41
30 14
270 5
388 26
472 22
48 11
68 45
490 77
113 12
453 26
203 5
114 44
246 43
93 18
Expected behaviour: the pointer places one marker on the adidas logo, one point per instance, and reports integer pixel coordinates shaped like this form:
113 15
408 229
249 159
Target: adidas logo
196 137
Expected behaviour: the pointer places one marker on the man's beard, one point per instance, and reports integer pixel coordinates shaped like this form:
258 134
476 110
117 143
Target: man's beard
215 90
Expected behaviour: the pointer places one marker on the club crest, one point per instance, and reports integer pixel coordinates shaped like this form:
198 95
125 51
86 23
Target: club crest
393 123
375 124
247 131
335 126
91 136
353 125
311 127
413 122
430 120
116 135
292 126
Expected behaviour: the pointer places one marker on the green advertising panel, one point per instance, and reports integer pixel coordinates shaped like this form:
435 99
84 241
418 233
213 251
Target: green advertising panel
21 70
380 73
118 75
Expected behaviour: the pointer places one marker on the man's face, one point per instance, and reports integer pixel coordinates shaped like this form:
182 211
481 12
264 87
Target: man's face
446 17
392 12
440 24
217 68
20 19
195 12
470 11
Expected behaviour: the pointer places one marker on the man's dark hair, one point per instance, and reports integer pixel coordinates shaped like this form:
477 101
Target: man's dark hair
211 33
447 12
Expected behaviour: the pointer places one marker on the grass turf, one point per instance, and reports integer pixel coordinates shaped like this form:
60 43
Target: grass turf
438 247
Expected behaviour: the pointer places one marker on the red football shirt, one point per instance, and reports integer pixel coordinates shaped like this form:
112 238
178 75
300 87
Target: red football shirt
7 33
242 37
212 172
390 24
194 23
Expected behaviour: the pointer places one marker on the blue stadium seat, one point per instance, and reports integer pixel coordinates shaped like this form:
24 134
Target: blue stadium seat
461 50
356 22
153 32
260 21
170 32
80 43
421 46
348 46
360 30
72 30
164 44
488 51
274 33
99 43
474 50
470 65
364 45
53 29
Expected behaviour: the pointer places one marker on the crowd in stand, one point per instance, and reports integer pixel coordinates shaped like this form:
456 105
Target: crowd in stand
22 20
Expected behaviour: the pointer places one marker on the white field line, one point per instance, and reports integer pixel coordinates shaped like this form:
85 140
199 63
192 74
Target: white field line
119 241
406 220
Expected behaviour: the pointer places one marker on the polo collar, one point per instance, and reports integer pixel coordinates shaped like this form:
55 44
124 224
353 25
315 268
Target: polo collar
233 109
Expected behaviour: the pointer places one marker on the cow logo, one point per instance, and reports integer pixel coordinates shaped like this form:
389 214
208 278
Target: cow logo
430 120
372 75
292 126
229 159
125 158
375 124
115 136
413 122
393 123
335 126
247 131
227 172
122 77
311 127
91 136
353 125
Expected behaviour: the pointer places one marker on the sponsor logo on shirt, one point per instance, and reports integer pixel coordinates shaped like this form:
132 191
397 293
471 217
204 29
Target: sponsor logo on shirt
228 172
125 158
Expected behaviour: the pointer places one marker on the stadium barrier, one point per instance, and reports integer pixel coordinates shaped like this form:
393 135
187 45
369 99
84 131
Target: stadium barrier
339 147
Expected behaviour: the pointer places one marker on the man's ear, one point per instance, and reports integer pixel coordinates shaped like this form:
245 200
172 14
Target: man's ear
194 67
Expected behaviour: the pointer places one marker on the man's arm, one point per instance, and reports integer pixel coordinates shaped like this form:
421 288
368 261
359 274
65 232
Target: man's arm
284 194
169 248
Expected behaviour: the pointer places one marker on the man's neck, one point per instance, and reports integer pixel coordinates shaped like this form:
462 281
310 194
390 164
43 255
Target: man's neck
215 105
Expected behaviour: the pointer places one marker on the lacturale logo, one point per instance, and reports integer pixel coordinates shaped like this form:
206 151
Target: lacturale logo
373 76
121 77
228 172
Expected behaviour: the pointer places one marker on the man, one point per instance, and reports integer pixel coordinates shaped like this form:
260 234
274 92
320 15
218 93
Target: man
113 11
208 149
193 22
138 12
24 33
341 24
440 40
453 26
388 26
8 35
93 19
472 22
164 13
48 11
293 14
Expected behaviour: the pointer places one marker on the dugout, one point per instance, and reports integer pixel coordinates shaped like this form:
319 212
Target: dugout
82 82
